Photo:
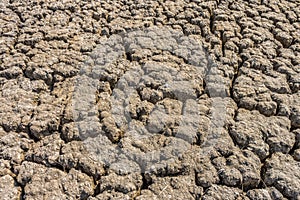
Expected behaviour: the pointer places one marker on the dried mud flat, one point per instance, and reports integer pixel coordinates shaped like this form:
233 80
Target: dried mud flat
241 114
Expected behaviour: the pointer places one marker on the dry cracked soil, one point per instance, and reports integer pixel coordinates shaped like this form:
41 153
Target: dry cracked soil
181 99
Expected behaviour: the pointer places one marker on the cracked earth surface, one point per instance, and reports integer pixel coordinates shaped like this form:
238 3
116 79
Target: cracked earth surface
255 50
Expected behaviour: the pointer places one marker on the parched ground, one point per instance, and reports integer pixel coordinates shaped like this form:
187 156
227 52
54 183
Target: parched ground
238 120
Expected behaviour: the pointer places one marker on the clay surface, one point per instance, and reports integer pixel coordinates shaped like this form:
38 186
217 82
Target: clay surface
183 99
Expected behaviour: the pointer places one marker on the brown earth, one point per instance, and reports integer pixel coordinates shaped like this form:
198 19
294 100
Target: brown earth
241 115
